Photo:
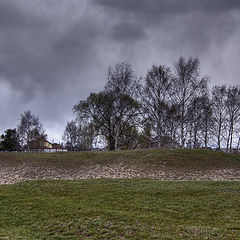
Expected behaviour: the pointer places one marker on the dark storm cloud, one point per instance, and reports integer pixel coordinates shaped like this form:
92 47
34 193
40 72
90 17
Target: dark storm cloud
35 53
12 17
188 19
55 52
180 27
44 56
127 32
153 7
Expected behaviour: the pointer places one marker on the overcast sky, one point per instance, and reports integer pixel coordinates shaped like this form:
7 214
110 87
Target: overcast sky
55 52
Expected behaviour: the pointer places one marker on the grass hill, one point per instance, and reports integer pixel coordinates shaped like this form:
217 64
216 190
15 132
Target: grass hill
120 208
163 164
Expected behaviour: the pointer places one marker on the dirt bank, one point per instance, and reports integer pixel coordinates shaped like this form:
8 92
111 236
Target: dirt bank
16 171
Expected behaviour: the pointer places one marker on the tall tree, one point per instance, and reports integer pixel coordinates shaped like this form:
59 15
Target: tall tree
233 112
71 134
194 119
155 100
88 135
114 110
79 135
30 129
186 85
219 98
207 121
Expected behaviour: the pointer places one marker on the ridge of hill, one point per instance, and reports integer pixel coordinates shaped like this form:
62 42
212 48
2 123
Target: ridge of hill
162 164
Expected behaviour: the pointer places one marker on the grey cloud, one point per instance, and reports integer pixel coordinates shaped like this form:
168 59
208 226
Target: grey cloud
185 18
12 17
183 27
54 53
127 32
44 58
196 21
152 7
35 59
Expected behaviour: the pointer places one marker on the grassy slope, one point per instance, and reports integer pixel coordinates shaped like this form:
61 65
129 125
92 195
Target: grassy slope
171 157
120 209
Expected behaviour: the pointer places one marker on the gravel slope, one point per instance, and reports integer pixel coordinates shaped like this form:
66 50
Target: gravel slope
16 167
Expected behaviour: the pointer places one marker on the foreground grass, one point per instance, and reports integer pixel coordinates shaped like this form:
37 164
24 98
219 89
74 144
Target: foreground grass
120 209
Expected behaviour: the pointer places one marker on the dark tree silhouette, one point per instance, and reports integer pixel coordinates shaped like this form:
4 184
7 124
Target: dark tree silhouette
30 129
155 101
219 98
233 112
10 140
186 85
114 110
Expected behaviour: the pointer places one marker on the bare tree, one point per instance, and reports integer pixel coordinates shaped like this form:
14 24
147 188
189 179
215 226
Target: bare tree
70 135
123 86
233 112
187 84
219 98
79 135
113 111
87 132
194 119
207 118
155 100
30 129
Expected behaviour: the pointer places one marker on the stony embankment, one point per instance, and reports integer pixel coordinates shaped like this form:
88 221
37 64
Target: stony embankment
21 167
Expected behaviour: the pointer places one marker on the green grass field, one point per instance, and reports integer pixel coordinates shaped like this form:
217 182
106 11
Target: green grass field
120 208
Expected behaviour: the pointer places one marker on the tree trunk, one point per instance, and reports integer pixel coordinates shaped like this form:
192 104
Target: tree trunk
219 131
206 134
116 139
111 143
238 143
206 139
182 134
182 126
228 138
195 137
231 137
159 134
190 135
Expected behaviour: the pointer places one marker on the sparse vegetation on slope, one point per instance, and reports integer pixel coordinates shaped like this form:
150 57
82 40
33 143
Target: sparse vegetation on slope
163 164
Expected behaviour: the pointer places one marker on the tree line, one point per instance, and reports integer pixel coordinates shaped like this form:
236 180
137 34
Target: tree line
169 107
